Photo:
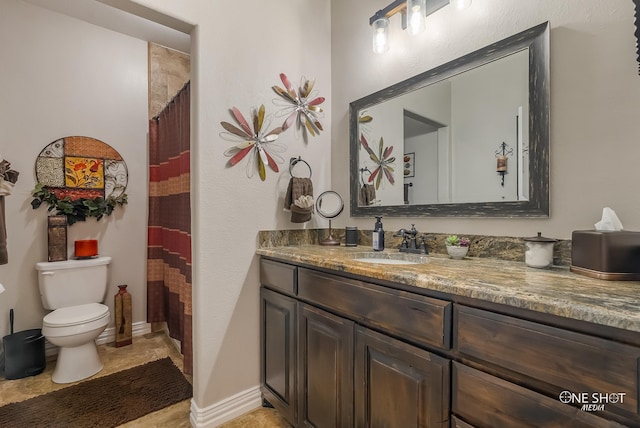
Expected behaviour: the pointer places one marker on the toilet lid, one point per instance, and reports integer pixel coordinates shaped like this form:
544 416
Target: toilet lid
76 315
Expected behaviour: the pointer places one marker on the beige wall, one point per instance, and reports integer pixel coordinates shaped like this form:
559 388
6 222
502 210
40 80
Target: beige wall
595 103
595 99
62 77
238 51
228 208
168 73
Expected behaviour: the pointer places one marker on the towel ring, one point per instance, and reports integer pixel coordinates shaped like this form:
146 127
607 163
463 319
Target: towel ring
362 170
294 161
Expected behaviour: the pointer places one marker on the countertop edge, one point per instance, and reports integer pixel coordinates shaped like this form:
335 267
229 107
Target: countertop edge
557 291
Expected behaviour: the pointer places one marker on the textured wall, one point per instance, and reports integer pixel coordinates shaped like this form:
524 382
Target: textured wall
63 77
595 100
236 59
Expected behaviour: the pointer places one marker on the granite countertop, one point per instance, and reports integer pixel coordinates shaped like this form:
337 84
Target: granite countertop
554 291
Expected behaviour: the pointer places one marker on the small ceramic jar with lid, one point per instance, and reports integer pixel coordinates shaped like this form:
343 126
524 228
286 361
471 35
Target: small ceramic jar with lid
539 251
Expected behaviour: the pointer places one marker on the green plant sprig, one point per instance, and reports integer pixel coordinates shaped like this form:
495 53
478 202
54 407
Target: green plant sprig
456 241
79 209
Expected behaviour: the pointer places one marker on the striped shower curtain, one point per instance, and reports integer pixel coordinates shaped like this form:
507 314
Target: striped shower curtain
169 234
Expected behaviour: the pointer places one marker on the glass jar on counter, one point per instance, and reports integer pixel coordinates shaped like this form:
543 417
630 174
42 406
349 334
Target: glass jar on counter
539 251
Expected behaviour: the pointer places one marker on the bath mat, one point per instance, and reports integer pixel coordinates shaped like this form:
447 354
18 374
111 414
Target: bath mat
106 401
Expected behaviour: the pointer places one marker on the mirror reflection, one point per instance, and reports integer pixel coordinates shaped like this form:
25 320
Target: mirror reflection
329 205
448 136
467 138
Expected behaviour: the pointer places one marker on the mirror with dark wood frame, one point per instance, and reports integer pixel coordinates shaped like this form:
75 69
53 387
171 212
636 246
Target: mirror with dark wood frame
485 108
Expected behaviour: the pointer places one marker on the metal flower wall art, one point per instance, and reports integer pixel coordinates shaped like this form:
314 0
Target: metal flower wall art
300 108
383 160
257 140
364 123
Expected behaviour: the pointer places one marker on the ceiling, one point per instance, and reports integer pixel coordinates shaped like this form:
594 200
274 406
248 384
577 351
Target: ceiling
125 17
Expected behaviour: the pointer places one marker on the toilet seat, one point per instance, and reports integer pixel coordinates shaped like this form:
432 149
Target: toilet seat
75 315
74 330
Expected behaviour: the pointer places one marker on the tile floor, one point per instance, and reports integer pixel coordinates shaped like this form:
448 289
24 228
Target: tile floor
144 349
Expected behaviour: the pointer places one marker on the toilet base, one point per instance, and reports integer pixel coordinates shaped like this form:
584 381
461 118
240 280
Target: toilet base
77 363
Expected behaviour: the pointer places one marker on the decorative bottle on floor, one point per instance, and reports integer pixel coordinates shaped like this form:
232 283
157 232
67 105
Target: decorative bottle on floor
122 308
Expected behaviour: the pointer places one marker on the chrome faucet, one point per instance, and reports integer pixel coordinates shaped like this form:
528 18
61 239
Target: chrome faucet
410 241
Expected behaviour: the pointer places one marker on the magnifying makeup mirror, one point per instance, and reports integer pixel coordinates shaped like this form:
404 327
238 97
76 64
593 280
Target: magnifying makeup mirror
329 205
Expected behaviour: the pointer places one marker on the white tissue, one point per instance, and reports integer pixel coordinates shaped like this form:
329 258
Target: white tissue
609 220
304 201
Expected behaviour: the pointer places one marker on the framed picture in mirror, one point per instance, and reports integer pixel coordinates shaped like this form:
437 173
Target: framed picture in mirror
409 165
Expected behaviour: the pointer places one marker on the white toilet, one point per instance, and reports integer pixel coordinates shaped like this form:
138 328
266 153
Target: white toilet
75 290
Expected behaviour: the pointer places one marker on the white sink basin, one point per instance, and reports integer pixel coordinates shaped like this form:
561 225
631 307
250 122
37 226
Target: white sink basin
390 258
1 288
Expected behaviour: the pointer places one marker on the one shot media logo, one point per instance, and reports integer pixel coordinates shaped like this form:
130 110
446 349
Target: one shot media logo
591 401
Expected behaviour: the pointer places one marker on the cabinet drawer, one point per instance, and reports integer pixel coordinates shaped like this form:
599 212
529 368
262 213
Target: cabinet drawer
565 360
279 276
412 317
487 401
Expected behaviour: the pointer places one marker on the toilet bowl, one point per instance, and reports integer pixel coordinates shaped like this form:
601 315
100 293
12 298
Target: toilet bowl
74 329
74 290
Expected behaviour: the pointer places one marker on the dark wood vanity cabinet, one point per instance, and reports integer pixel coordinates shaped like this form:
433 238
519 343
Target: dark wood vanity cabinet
407 316
325 368
352 376
565 366
398 385
341 352
483 400
346 374
278 334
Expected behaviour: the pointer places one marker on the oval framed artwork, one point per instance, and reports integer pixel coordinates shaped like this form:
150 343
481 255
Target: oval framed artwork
82 168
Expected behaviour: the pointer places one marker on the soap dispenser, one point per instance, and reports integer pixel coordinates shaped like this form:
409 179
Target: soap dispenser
378 235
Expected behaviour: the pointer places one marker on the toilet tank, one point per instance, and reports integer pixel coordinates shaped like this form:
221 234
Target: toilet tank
72 282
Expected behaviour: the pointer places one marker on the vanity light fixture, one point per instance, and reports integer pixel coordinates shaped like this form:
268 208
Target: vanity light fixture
380 35
414 14
461 4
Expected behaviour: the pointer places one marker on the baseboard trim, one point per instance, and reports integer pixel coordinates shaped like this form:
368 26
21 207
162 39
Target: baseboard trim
226 410
107 336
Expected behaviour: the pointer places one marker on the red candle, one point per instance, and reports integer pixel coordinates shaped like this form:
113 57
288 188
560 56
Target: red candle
86 248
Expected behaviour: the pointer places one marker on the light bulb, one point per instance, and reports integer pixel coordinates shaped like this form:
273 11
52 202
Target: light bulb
380 35
461 4
416 16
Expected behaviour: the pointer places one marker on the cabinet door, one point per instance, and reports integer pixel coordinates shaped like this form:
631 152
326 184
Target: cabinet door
399 385
278 352
325 369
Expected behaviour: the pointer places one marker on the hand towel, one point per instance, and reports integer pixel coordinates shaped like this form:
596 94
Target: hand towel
4 257
5 187
8 178
298 187
367 195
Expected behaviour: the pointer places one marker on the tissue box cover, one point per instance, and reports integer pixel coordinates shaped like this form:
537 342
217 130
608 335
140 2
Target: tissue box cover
609 255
